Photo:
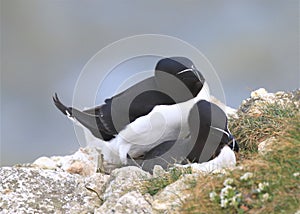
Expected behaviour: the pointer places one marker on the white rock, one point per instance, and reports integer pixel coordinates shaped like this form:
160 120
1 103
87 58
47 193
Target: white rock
279 93
122 181
83 162
259 93
266 145
44 163
131 202
124 178
97 182
31 190
158 171
170 199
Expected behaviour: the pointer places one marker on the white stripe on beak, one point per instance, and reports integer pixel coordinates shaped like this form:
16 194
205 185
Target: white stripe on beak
185 70
228 135
221 130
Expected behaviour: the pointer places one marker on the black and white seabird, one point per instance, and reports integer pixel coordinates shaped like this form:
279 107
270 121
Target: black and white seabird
175 80
209 136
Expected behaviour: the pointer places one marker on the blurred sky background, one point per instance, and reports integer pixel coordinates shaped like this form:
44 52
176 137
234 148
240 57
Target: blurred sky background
45 44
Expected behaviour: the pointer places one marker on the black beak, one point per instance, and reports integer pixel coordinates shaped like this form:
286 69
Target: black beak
233 143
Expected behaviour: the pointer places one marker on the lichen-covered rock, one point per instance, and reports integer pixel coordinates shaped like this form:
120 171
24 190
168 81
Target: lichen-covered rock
30 190
171 198
131 203
261 94
158 171
260 98
83 162
97 183
44 163
122 181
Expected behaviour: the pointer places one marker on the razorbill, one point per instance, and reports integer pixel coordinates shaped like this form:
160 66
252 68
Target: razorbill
209 136
175 80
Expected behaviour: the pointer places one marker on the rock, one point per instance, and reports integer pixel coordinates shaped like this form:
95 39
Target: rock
158 171
44 163
83 162
266 145
122 181
97 183
31 190
260 98
171 198
257 100
131 202
259 94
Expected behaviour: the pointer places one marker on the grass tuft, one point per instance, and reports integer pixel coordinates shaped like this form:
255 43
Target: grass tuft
268 120
154 185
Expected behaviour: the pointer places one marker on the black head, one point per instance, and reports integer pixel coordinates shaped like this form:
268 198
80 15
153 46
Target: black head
183 69
209 132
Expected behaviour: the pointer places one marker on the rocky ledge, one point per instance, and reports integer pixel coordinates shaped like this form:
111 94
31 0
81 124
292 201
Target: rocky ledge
76 183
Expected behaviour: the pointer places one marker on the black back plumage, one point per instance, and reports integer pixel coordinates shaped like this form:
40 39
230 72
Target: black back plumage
138 100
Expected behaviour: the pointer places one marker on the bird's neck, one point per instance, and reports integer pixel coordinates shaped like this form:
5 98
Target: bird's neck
203 94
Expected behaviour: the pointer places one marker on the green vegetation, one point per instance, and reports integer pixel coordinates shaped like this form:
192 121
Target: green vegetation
154 185
267 183
267 120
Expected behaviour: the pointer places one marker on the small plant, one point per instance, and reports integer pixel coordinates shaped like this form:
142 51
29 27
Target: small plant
154 185
235 194
247 176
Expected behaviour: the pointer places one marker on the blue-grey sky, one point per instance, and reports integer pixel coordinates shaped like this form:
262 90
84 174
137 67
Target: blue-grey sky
45 44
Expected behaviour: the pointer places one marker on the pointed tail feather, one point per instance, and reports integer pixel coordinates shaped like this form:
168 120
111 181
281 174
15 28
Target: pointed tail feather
90 121
64 109
87 120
